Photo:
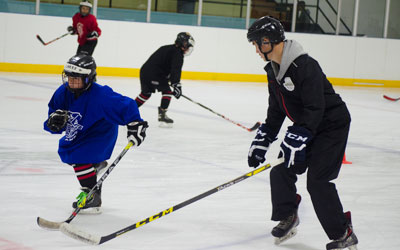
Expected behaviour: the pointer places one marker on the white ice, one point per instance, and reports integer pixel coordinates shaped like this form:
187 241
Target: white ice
201 152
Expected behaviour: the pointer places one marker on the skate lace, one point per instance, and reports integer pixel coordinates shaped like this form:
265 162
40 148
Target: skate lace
285 223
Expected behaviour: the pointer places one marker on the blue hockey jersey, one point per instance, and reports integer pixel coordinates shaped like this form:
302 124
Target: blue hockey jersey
92 127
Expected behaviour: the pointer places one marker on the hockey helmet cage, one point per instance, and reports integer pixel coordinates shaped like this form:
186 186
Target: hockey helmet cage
266 27
81 65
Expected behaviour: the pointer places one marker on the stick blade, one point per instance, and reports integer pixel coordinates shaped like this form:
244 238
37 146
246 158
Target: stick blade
43 223
78 234
390 98
40 40
256 126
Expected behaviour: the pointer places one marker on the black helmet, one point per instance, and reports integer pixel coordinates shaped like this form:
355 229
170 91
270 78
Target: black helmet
186 41
267 27
85 3
81 65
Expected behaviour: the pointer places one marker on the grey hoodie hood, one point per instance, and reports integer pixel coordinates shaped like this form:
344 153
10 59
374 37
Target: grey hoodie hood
291 50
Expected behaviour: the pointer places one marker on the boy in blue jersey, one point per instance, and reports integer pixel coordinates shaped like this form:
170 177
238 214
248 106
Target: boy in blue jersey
89 114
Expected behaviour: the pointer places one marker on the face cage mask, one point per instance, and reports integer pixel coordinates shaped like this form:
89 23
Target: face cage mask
259 44
85 80
80 10
189 51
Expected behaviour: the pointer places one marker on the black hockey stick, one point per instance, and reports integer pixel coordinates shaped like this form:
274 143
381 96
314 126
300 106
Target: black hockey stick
56 225
78 234
391 99
255 126
41 40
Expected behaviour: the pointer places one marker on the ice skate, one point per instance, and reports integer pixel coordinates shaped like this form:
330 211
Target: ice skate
100 168
90 205
165 121
348 240
286 228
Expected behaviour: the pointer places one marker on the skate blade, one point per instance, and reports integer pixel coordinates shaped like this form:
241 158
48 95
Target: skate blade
289 235
165 125
353 247
91 210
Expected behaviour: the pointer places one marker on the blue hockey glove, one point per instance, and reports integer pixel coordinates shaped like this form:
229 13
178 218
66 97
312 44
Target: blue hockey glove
57 120
293 147
259 146
137 132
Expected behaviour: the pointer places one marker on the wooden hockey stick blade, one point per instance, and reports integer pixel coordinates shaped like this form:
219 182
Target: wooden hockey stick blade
78 234
88 238
43 223
256 126
41 40
390 98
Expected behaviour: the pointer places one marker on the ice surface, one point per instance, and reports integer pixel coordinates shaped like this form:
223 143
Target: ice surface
201 152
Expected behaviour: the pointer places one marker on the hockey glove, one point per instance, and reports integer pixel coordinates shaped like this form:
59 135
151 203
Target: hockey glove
177 90
259 146
57 120
137 132
71 30
293 147
93 35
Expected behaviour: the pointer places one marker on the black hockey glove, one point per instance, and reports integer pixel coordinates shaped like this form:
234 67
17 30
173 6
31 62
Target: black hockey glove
57 120
259 146
137 132
93 35
293 148
177 89
71 30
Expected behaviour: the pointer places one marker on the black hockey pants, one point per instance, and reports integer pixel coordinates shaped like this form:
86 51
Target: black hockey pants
324 159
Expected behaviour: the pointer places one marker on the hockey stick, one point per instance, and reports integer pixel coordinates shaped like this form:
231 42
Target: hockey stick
78 234
390 98
41 40
56 225
255 126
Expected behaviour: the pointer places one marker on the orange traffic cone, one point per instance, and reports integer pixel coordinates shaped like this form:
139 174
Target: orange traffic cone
345 161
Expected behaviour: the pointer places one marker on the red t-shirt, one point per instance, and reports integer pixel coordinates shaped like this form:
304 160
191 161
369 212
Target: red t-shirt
84 25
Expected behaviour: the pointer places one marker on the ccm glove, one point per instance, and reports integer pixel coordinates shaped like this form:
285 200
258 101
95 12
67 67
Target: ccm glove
57 120
137 132
177 89
293 147
93 35
259 146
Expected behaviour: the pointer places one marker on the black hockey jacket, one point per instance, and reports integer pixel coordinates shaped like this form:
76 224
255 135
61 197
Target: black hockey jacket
299 90
165 63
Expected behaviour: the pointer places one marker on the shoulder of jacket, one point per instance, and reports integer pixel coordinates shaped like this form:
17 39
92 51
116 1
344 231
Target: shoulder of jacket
301 60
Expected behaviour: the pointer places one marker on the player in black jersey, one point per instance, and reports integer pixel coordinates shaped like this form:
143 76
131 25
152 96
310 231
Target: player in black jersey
164 66
300 91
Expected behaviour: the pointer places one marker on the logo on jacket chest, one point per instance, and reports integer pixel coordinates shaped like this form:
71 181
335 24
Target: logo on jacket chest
288 84
73 126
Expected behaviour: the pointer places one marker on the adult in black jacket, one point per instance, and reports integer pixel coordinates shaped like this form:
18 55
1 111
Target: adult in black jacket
163 66
300 91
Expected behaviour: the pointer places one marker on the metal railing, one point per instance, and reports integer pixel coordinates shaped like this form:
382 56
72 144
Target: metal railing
293 9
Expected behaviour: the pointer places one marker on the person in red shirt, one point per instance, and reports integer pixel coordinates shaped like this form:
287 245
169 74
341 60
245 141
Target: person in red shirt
85 26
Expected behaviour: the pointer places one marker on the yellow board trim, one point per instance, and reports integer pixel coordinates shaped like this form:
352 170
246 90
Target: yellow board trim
190 75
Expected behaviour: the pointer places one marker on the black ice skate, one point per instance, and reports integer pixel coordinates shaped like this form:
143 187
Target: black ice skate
287 228
164 120
100 168
91 205
348 240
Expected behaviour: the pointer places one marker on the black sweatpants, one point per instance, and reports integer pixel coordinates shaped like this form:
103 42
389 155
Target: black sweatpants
87 48
324 159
